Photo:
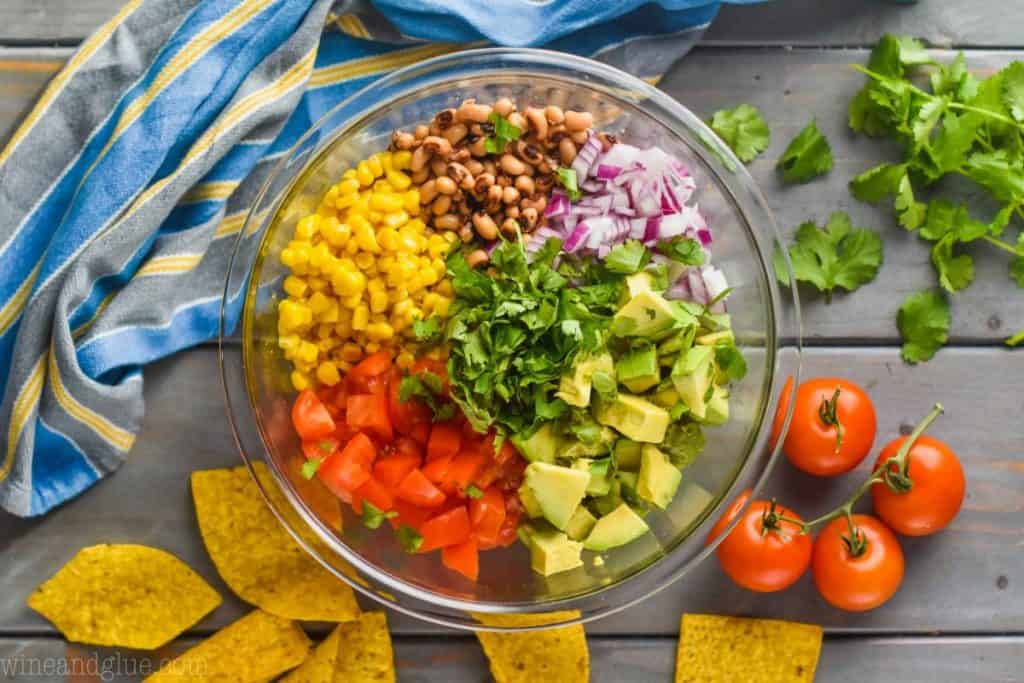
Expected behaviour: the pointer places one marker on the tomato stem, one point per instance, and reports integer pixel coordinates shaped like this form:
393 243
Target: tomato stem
830 418
897 479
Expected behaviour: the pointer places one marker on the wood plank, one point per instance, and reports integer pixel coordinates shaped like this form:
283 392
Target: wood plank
861 22
966 580
612 660
789 22
790 87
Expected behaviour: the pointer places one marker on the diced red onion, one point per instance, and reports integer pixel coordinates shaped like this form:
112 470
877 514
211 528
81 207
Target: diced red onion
558 205
586 157
698 291
577 238
607 171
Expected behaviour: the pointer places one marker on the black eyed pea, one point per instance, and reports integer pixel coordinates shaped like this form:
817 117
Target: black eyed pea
485 226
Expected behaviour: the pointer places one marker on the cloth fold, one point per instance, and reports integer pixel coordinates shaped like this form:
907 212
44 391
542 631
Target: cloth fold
123 191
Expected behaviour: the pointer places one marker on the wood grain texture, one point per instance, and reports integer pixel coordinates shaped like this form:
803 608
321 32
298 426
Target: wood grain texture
968 579
612 660
785 22
789 87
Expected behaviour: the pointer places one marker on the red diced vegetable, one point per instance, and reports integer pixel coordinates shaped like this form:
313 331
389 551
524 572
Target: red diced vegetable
415 488
342 475
448 528
311 418
405 415
462 558
360 449
462 472
437 469
435 367
374 492
321 448
409 515
444 440
487 514
421 433
370 412
391 469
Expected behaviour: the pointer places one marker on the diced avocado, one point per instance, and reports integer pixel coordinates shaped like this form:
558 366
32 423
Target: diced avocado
543 446
598 471
580 524
716 322
648 315
608 502
571 450
575 388
638 282
634 418
713 338
523 533
628 482
618 527
692 377
638 370
680 341
667 397
717 412
529 501
658 479
552 552
627 454
558 490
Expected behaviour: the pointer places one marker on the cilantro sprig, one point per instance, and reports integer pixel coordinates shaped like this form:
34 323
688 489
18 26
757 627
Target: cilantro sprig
504 133
838 255
743 129
567 177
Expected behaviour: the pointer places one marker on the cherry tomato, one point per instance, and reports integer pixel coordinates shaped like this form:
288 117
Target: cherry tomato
765 555
857 582
815 443
726 519
780 412
935 496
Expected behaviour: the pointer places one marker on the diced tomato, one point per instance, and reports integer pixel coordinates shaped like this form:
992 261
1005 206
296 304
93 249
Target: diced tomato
421 433
444 440
370 412
487 476
321 448
446 529
506 453
467 430
409 515
375 364
507 534
462 558
370 376
310 417
342 475
391 469
424 364
405 415
436 470
487 514
374 492
512 473
405 444
415 488
360 449
462 472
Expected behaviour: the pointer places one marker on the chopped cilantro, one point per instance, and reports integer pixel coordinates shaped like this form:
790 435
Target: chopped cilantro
837 256
627 258
473 492
427 331
374 516
429 388
743 129
807 156
569 181
923 321
409 538
504 133
731 362
310 467
682 249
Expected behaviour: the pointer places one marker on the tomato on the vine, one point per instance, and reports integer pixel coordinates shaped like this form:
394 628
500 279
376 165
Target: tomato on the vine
935 493
833 426
728 516
763 552
858 571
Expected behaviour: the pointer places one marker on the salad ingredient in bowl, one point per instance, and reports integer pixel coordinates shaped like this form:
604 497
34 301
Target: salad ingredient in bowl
505 326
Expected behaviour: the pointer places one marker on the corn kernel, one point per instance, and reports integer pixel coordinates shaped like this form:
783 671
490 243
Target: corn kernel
352 302
351 352
364 260
371 347
317 284
379 332
397 295
331 315
300 380
399 181
450 237
307 352
411 201
335 232
306 228
288 342
327 373
349 174
360 317
295 287
378 301
364 174
387 202
396 219
401 160
373 163
346 201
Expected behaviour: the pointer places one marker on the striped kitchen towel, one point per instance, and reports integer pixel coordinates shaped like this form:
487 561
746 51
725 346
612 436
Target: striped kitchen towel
124 189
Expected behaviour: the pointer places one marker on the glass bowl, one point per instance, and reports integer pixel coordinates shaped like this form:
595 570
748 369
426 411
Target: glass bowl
738 455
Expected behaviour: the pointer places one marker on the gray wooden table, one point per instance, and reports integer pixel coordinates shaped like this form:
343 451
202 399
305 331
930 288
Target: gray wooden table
960 613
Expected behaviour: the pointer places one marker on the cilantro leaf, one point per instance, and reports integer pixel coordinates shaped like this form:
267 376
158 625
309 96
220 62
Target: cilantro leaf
409 538
310 467
730 362
429 388
1000 174
683 443
878 183
504 133
923 321
955 272
427 331
374 516
473 492
627 258
807 156
837 256
743 129
1013 89
913 52
570 182
909 212
684 250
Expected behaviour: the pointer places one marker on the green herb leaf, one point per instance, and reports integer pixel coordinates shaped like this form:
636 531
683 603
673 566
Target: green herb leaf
504 133
923 321
955 272
807 156
913 52
1017 264
837 256
683 442
570 182
1013 89
627 258
730 362
473 492
409 538
374 516
429 388
427 331
743 129
682 249
310 467
909 212
879 182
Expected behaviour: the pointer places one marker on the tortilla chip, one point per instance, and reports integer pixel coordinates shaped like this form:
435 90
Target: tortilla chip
364 651
258 647
319 665
554 655
717 649
124 596
257 557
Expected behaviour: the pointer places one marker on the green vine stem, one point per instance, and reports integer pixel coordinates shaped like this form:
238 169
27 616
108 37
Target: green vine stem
894 477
